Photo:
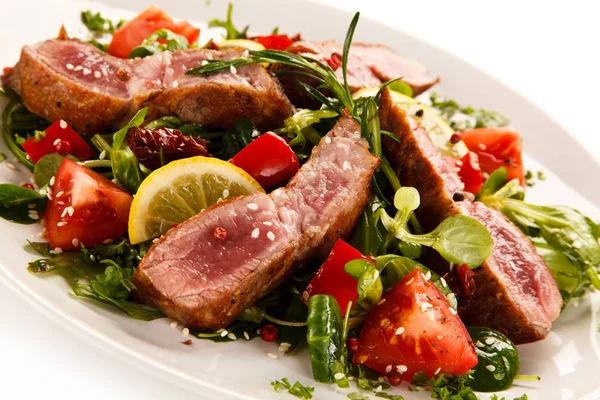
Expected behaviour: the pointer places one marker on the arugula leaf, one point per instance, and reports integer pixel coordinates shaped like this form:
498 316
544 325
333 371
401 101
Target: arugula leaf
97 24
54 263
126 168
19 204
460 118
42 248
298 127
297 389
153 44
232 32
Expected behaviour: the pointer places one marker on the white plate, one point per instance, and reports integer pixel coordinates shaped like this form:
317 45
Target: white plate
566 360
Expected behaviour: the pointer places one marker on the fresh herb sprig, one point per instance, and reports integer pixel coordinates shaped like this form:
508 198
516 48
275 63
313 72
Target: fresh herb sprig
98 25
232 31
461 118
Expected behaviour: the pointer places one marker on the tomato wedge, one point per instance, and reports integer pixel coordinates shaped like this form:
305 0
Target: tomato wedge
470 172
268 159
85 208
134 32
497 147
331 278
275 42
415 330
56 133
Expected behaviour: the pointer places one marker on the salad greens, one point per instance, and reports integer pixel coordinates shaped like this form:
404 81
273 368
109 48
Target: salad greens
232 32
20 205
98 25
152 44
462 118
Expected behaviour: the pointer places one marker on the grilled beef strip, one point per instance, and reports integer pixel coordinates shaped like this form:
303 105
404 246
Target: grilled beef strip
515 292
196 276
94 92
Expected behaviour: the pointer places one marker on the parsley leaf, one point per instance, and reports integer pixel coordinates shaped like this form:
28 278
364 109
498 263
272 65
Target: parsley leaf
461 118
446 386
98 25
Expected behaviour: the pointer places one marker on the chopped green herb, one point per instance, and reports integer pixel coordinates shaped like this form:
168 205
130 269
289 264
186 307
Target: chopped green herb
232 32
159 41
461 118
445 386
357 396
297 389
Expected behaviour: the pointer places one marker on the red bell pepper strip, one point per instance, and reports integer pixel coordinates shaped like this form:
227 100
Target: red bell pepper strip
470 173
331 278
55 134
275 42
268 159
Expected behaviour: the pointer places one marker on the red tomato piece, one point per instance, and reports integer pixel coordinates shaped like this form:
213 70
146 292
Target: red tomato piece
331 278
497 147
85 208
275 42
415 330
134 32
268 159
55 133
470 173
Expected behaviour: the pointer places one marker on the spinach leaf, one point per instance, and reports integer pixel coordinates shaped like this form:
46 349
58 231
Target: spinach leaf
324 336
498 360
152 44
46 168
20 205
232 32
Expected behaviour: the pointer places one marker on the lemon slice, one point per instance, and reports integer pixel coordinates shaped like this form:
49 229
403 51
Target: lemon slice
439 130
182 189
244 43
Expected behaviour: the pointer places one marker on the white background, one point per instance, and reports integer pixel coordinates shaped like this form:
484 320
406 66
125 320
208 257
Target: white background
548 51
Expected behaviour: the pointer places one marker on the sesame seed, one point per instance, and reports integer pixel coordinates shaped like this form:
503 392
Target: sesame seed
232 69
204 62
512 265
430 315
428 275
452 311
70 210
388 369
378 389
380 302
246 53
252 206
402 368
173 324
255 133
225 193
339 376
56 142
327 139
33 216
437 371
78 68
10 166
75 242
97 74
102 155
108 241
255 233
451 296
479 344
444 284
175 84
87 71
270 235
70 67
31 205
185 332
224 333
59 194
400 331
489 341
273 356
232 336
346 166
93 257
258 331
490 368
440 337
268 223
246 335
64 213
425 306
410 281
482 146
52 180
58 250
285 344
61 223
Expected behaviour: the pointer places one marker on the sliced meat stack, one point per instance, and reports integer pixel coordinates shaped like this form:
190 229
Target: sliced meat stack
514 290
368 66
95 92
205 279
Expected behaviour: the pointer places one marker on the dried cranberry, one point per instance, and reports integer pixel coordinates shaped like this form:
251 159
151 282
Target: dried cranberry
335 61
27 186
148 144
268 333
63 148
